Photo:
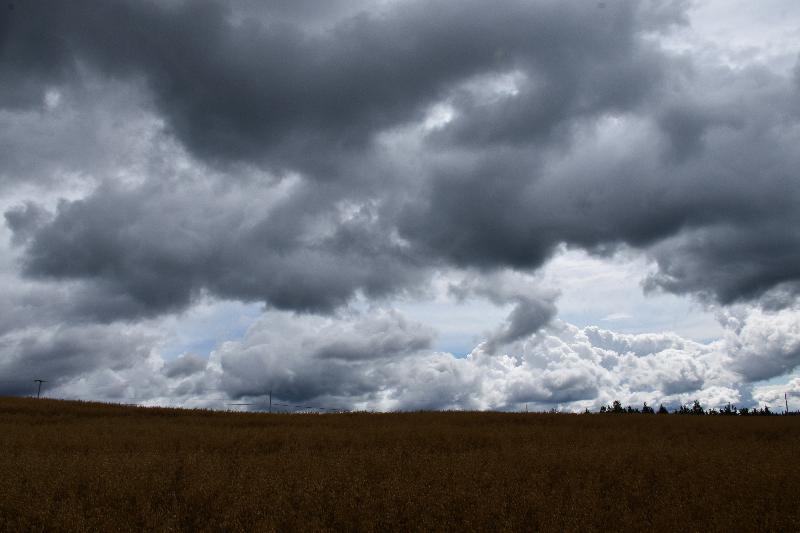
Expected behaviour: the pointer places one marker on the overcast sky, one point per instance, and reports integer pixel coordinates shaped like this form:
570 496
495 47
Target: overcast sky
401 204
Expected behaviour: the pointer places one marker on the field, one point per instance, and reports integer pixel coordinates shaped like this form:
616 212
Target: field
68 466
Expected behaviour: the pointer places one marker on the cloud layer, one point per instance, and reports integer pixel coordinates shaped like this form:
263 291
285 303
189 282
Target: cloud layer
381 360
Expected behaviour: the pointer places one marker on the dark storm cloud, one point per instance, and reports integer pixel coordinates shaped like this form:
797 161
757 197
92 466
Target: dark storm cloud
271 91
24 220
154 249
568 124
733 263
50 304
32 53
707 182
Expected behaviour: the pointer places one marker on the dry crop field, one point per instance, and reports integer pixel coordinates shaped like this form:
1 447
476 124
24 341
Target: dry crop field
69 466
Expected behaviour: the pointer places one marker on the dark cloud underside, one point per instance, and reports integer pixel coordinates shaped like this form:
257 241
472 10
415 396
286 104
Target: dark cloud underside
292 97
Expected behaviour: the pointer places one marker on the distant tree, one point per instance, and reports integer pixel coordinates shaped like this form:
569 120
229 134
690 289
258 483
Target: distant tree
602 408
616 407
728 410
744 411
662 410
646 409
697 409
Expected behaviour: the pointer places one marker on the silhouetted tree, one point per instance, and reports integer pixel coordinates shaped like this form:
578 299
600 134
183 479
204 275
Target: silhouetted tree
662 410
616 407
697 409
646 409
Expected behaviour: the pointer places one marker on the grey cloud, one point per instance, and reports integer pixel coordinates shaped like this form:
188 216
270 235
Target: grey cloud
304 358
97 130
408 372
185 365
275 89
155 248
516 171
64 353
708 194
534 306
510 177
384 336
24 220
686 125
527 317
674 371
730 263
31 55
51 304
555 387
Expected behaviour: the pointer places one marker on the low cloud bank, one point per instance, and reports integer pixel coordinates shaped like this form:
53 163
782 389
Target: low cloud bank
379 360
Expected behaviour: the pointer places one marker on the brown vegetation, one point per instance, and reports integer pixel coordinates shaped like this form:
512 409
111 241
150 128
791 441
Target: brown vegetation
82 466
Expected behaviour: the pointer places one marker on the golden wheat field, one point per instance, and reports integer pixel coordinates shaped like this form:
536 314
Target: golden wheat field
70 466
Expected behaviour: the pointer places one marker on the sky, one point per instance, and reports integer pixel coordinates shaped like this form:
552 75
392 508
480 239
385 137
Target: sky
401 204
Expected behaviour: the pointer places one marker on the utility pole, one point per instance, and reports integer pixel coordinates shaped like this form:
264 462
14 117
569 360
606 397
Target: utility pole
786 400
270 401
39 390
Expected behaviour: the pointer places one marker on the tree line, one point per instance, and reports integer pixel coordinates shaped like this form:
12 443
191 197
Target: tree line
696 409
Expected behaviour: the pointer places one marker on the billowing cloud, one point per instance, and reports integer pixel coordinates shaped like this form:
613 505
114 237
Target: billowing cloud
764 345
380 360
